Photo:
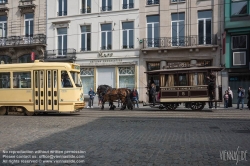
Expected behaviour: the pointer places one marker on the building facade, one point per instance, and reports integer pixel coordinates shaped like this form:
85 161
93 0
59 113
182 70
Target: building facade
179 32
102 36
237 44
22 30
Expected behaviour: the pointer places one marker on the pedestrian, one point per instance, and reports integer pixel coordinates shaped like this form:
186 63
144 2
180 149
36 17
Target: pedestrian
241 96
152 93
230 97
226 97
135 97
248 103
91 98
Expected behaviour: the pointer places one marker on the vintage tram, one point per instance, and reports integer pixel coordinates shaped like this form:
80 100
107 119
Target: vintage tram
194 86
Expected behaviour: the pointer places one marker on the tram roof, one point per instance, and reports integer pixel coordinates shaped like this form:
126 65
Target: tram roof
36 64
185 69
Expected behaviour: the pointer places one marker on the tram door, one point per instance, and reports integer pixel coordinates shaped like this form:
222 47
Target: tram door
46 90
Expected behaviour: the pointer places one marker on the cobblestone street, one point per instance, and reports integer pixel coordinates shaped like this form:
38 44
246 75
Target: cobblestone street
139 137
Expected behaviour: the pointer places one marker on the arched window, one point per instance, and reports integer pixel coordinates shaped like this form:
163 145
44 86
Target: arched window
6 59
25 58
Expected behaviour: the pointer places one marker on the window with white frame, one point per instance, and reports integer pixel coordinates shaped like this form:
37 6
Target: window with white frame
205 27
62 41
3 1
106 36
128 4
153 2
174 1
127 77
239 7
128 35
153 31
86 38
86 6
87 77
239 42
3 26
239 58
62 8
106 5
29 24
178 29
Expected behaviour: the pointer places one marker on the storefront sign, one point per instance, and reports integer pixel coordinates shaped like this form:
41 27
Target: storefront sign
233 78
106 61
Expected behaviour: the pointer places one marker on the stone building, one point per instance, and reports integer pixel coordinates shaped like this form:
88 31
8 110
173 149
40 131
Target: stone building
179 32
22 30
101 35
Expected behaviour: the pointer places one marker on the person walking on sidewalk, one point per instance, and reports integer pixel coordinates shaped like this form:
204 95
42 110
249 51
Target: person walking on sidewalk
248 103
226 97
91 98
241 96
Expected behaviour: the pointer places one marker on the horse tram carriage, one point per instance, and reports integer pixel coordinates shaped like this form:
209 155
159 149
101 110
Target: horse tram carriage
194 86
121 95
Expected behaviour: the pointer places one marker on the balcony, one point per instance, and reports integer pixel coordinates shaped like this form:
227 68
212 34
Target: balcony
86 10
106 8
183 42
153 2
3 8
26 6
128 6
57 55
15 41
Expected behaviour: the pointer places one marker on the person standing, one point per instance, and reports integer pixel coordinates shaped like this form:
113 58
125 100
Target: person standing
241 95
91 98
135 96
152 93
248 103
226 97
211 88
230 97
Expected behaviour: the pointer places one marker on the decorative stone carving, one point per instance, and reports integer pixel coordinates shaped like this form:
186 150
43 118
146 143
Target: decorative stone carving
103 55
12 50
61 24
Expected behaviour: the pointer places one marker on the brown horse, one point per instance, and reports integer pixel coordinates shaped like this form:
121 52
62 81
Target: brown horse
112 94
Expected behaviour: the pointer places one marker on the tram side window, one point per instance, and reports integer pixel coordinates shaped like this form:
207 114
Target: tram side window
4 80
183 80
66 82
21 80
196 79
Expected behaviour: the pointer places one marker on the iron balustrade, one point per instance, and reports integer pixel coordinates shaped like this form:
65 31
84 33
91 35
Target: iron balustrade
127 46
61 53
106 8
86 10
173 1
185 41
25 2
128 6
62 13
23 40
109 47
85 49
153 2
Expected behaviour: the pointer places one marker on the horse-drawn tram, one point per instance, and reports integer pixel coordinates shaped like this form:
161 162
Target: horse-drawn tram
192 86
40 87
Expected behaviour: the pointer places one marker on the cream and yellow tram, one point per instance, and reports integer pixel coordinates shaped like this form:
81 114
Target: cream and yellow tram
189 85
40 87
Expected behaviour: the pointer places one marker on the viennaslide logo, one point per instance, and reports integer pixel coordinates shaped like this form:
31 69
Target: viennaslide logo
234 155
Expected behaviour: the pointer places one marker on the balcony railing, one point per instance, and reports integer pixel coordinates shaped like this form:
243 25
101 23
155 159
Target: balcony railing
128 6
3 2
61 53
175 1
153 2
25 3
86 10
62 13
186 41
127 46
109 47
23 40
106 8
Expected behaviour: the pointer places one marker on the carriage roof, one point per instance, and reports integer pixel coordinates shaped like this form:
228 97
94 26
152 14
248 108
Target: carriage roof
185 69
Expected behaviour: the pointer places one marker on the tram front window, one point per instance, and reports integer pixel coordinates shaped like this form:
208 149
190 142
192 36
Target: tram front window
76 78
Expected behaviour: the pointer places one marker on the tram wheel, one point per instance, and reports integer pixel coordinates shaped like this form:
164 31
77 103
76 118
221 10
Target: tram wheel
197 106
28 113
171 106
2 110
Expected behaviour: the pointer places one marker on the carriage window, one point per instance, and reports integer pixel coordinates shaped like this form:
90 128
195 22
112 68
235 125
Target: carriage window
21 80
66 82
4 80
201 79
183 80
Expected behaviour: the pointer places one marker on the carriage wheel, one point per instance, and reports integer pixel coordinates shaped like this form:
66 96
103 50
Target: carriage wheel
197 106
171 106
2 110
